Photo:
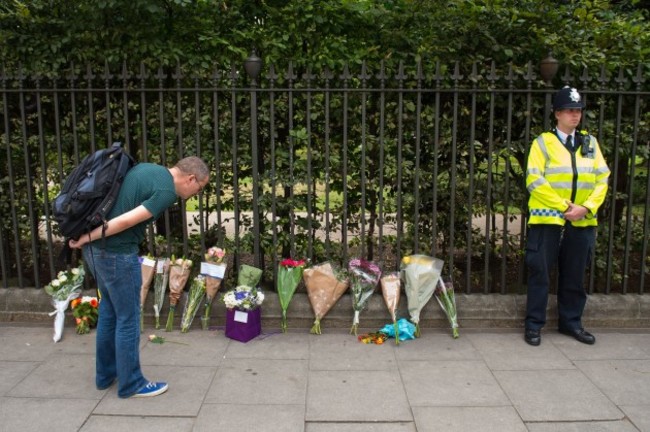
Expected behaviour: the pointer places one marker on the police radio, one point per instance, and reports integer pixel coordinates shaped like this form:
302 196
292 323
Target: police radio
586 144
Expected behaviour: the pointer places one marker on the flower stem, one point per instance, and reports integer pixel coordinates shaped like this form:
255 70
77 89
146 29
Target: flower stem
283 322
396 328
417 330
315 329
170 319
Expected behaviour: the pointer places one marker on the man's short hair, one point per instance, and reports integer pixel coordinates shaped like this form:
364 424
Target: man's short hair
195 166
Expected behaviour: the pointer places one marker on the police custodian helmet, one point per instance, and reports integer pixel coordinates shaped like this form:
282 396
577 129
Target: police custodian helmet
567 98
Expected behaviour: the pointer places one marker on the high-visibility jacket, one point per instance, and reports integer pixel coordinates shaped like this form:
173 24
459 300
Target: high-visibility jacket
556 176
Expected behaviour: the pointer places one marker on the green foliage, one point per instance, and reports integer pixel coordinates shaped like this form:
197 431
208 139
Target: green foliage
418 184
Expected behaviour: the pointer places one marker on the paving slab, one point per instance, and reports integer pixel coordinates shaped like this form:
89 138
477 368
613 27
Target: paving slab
556 395
13 372
511 352
451 383
361 427
465 419
35 414
621 346
113 423
639 415
601 426
195 348
625 382
357 396
187 389
259 382
271 345
337 351
436 344
244 417
60 377
27 344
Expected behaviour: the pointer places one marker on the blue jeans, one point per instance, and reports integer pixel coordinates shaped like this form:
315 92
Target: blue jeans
119 278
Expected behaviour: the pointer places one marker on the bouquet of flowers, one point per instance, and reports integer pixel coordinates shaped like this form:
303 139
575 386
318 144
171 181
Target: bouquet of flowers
243 298
179 273
289 275
244 314
194 298
390 288
447 301
214 270
159 287
86 312
63 289
325 284
364 277
421 274
249 276
148 268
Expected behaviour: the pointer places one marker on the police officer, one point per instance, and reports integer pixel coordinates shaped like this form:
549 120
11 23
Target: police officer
567 180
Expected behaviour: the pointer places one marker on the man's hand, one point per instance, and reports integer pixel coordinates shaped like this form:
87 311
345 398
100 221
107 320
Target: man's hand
575 212
78 244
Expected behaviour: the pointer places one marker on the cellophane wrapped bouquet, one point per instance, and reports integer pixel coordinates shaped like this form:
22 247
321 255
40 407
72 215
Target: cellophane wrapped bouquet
421 274
214 271
364 277
63 289
289 276
148 269
391 290
325 285
444 293
179 273
193 302
160 281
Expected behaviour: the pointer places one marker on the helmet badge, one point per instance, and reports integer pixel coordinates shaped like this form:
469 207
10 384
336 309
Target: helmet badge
574 95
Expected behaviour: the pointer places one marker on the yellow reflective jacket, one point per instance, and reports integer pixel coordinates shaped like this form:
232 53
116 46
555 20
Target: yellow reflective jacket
556 176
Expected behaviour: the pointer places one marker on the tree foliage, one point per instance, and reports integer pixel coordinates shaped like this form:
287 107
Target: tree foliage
354 43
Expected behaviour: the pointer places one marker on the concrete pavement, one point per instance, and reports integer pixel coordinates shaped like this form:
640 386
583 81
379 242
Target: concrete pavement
488 380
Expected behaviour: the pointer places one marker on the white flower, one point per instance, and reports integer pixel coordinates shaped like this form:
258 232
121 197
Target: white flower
75 271
56 283
63 278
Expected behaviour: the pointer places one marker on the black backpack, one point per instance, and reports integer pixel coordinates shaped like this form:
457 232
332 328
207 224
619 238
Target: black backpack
90 191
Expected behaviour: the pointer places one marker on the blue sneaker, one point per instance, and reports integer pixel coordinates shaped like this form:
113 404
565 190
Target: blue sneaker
152 389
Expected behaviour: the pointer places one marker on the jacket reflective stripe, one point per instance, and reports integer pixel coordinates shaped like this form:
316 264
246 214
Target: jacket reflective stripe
556 176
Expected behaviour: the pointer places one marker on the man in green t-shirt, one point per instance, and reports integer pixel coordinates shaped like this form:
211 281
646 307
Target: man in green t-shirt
147 190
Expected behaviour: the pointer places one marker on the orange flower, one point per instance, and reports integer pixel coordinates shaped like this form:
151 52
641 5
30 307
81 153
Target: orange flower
93 302
77 320
75 302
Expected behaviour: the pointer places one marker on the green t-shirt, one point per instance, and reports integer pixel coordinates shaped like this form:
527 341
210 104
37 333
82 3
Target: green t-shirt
145 184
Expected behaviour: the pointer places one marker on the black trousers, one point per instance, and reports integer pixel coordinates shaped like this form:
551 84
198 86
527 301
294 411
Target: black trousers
569 248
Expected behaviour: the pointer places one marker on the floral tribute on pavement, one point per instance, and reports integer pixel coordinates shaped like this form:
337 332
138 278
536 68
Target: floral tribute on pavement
179 273
63 289
86 312
325 285
364 277
214 270
243 314
289 276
